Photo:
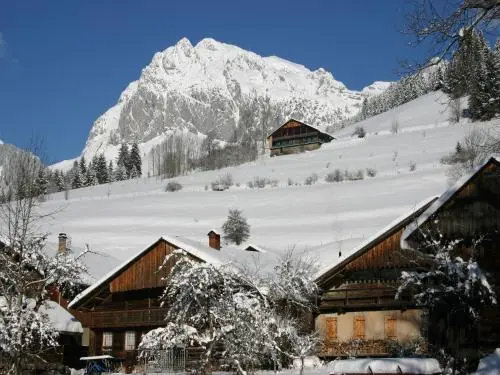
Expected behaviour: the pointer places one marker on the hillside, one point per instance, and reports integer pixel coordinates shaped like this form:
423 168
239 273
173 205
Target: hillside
222 89
121 218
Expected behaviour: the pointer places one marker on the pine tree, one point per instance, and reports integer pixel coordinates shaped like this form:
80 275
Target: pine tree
90 177
111 172
135 161
41 183
101 169
76 176
123 158
134 173
236 228
83 166
120 173
60 181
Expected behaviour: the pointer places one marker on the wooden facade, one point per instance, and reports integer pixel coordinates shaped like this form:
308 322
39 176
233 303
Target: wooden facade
295 136
124 307
466 212
358 314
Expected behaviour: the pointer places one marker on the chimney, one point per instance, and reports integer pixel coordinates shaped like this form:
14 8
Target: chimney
62 247
214 240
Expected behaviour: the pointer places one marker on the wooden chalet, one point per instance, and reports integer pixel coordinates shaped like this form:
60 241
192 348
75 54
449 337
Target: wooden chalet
124 304
358 314
295 136
468 210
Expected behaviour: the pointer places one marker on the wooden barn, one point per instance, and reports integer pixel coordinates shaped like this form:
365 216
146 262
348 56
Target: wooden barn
467 211
124 305
295 136
358 314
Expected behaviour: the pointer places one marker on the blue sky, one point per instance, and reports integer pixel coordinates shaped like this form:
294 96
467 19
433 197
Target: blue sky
63 63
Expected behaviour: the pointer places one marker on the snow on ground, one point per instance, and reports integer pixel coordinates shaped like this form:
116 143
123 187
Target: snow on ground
123 218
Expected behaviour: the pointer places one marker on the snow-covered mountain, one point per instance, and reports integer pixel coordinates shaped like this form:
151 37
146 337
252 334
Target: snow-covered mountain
207 87
377 87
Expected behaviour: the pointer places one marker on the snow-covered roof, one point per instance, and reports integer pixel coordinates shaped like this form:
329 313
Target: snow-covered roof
427 366
97 263
287 121
489 365
355 252
60 318
412 227
226 254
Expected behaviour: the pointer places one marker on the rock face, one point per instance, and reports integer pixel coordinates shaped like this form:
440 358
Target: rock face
211 87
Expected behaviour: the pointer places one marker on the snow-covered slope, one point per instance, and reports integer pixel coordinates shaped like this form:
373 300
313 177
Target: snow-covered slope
207 87
123 218
377 87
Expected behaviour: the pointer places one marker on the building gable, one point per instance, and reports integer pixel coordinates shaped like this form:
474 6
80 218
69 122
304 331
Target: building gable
380 252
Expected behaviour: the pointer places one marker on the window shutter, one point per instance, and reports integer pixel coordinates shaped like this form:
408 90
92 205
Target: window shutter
359 327
331 328
391 326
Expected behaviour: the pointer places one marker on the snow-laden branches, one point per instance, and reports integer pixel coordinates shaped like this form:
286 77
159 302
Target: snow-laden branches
245 317
28 272
450 283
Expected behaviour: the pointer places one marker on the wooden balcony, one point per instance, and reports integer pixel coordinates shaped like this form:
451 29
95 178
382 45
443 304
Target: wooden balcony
126 318
357 348
361 298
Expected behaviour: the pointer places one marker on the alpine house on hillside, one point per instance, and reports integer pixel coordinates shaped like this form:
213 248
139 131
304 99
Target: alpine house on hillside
358 314
124 304
295 136
467 217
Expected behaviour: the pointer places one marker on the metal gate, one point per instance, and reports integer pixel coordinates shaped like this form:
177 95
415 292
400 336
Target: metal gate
171 360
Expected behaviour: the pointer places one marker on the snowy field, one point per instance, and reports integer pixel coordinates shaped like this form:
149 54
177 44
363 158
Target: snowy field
124 217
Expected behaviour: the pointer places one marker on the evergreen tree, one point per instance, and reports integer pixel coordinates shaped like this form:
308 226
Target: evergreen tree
41 183
123 158
236 228
59 180
134 173
76 176
83 166
135 161
120 173
101 170
111 172
90 177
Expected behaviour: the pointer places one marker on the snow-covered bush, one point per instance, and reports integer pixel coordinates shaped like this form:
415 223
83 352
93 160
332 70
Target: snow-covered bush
28 272
261 182
371 172
413 166
311 180
335 176
236 229
173 186
220 305
359 132
223 182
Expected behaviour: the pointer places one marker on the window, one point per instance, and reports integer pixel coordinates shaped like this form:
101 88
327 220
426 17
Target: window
331 328
107 340
391 326
359 327
130 340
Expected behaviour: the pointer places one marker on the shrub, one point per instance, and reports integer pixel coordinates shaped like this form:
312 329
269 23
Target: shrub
312 179
173 186
371 172
260 183
360 174
290 182
413 166
222 183
335 176
359 132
